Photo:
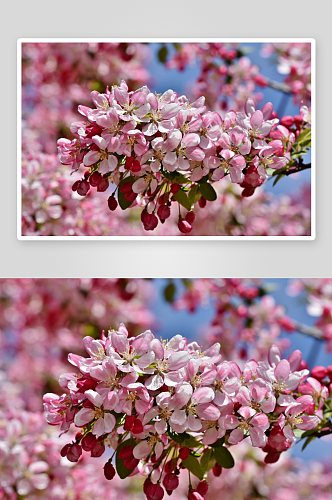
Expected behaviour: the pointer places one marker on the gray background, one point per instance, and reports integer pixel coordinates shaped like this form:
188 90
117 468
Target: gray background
174 18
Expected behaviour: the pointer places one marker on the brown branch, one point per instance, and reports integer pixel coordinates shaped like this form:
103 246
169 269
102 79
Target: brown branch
298 168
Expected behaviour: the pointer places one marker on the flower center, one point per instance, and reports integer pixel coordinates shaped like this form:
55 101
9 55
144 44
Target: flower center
165 414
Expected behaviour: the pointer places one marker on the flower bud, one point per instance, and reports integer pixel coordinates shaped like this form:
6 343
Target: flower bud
150 222
112 203
75 185
109 471
98 449
202 488
163 212
126 187
175 188
190 217
130 196
88 442
74 453
202 202
184 226
65 450
154 492
272 458
184 453
126 452
217 470
287 121
83 188
103 185
95 179
318 372
194 495
171 482
130 462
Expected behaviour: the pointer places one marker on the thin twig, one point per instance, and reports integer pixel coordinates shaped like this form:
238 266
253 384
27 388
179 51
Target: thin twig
309 330
298 168
279 86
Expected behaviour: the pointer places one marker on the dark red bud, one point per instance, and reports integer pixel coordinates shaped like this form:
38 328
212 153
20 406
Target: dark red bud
154 492
75 185
88 442
175 188
109 471
95 178
184 226
184 453
126 452
103 185
98 449
130 463
65 450
190 217
163 212
217 470
171 482
126 187
202 202
202 488
150 222
74 453
83 188
112 203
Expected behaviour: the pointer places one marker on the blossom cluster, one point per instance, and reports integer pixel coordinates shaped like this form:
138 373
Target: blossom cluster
159 149
51 208
56 77
294 61
168 405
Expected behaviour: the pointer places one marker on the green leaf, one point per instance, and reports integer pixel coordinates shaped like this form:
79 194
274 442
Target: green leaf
162 54
193 465
194 194
308 433
304 137
298 432
208 461
277 171
178 438
179 178
124 204
307 441
208 191
191 442
182 198
169 292
120 467
269 171
298 154
223 457
277 179
204 179
218 443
